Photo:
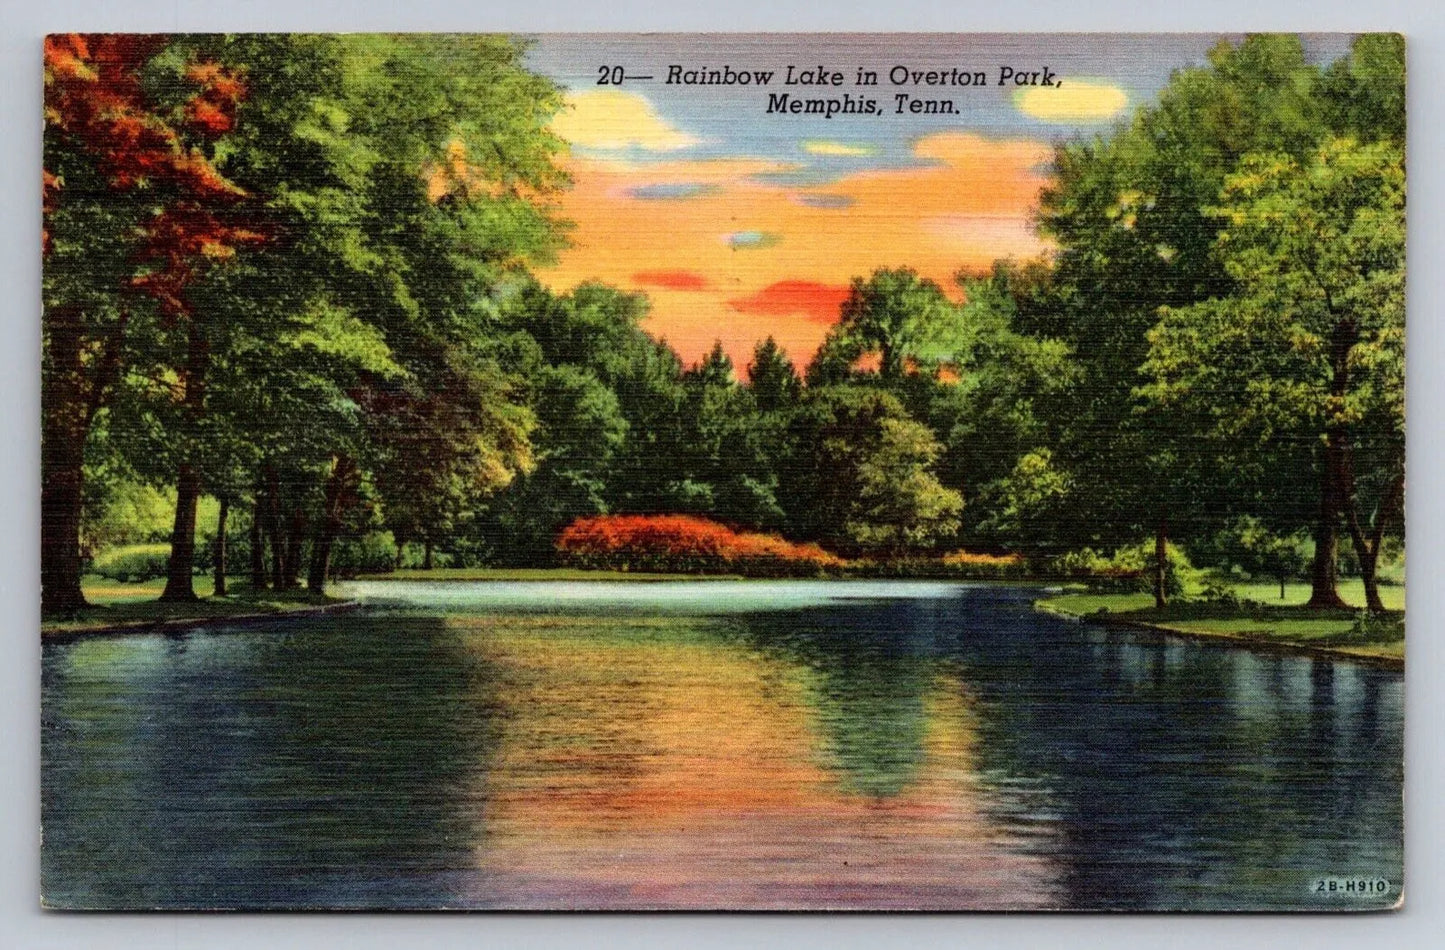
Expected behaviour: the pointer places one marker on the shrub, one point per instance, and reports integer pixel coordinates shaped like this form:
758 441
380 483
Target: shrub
134 562
958 565
685 544
973 564
1377 628
372 553
1129 570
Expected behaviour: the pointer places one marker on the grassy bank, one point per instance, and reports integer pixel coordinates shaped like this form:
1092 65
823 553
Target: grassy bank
1262 619
114 605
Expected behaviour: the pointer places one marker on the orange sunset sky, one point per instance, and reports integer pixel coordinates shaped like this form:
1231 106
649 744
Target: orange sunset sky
739 223
710 279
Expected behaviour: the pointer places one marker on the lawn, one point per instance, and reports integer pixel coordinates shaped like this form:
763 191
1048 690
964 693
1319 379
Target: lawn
1262 618
116 604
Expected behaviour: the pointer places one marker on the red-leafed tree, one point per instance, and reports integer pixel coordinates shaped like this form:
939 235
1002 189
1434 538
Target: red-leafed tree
135 210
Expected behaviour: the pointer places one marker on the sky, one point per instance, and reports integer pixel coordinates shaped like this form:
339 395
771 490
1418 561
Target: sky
741 224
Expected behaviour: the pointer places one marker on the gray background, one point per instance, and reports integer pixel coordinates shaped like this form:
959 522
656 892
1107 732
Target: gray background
22 924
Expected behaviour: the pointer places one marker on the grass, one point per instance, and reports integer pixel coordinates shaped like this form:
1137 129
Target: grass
115 604
1264 619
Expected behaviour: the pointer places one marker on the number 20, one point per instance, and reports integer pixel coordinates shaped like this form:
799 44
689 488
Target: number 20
610 75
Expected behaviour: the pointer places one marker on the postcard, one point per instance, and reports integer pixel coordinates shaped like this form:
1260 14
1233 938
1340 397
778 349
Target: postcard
723 472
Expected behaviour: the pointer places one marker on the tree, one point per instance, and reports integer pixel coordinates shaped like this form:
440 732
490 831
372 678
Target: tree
772 378
580 430
1249 543
596 328
1024 505
901 504
895 314
1310 347
135 210
1134 215
859 474
1001 410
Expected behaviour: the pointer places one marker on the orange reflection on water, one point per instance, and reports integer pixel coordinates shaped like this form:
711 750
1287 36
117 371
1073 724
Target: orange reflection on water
640 766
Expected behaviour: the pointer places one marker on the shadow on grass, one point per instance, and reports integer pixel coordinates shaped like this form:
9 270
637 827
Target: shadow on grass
134 611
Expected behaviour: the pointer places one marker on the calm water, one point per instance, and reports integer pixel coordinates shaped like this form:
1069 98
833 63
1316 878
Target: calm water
791 744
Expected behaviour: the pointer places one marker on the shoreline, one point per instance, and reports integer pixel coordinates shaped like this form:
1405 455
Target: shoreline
183 624
1256 644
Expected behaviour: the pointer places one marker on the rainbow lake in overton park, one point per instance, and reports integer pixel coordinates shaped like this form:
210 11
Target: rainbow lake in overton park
718 744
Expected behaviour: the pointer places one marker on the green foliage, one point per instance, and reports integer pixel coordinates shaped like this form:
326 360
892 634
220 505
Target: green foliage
772 378
1129 569
370 553
1249 544
1026 504
125 513
132 562
902 505
860 474
1372 627
580 431
901 317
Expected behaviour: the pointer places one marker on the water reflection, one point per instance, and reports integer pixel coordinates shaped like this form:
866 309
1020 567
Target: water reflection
260 770
771 745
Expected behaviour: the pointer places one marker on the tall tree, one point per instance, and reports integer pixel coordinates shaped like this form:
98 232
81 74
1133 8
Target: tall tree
773 379
134 211
1310 347
1135 215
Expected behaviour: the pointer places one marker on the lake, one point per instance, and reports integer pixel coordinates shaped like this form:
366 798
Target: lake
718 744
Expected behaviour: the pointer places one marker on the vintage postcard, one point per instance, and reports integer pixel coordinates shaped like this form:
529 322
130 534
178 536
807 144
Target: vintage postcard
724 472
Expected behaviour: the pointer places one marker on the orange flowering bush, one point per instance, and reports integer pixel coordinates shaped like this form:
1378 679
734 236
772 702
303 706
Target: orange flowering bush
683 543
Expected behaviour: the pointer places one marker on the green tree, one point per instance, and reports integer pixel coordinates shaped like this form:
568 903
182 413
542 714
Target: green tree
1134 215
580 430
860 474
1310 346
1024 505
408 176
772 378
901 504
902 318
1010 389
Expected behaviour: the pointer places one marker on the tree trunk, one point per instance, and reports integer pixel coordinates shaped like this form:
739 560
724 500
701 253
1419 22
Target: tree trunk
1367 551
1324 575
220 555
273 527
294 535
1161 565
188 481
337 488
258 562
183 537
426 562
890 362
1324 578
62 458
72 392
1368 561
1281 585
